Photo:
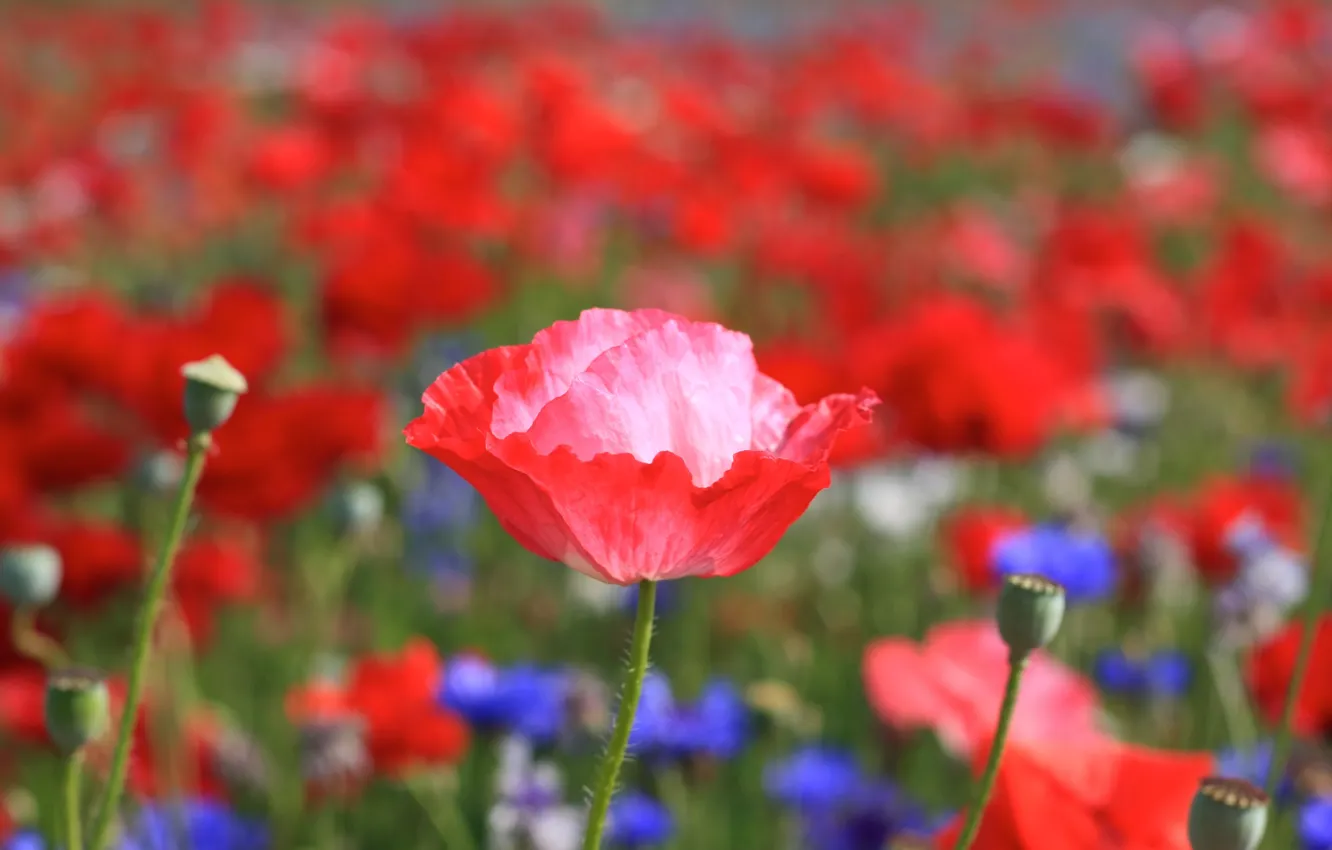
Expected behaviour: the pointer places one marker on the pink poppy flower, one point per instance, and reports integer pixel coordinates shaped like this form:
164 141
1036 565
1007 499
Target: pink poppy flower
635 445
954 683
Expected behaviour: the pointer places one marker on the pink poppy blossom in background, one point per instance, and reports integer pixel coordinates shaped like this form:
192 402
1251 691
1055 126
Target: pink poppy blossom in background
953 683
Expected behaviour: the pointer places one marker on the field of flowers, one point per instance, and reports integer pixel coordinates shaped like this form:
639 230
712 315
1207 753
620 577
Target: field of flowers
376 384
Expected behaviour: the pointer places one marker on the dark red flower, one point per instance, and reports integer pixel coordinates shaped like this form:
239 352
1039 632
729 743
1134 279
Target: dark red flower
1271 665
1220 507
970 536
396 696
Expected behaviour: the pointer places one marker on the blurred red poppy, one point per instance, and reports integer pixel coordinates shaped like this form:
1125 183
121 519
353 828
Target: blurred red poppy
1271 665
1056 796
396 696
970 536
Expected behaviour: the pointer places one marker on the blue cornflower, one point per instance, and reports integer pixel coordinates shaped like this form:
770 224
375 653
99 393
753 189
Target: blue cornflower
637 820
813 778
668 597
1316 824
1273 459
1167 673
1252 765
1081 561
209 825
524 699
716 725
871 816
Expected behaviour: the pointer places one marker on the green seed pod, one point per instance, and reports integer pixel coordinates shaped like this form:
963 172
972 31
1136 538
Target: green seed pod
1031 607
29 574
1227 814
77 708
356 508
212 388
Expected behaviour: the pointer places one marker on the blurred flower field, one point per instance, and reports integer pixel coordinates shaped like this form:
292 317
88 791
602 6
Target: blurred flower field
499 289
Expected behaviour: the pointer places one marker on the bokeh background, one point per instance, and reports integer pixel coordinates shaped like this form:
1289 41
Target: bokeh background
1080 250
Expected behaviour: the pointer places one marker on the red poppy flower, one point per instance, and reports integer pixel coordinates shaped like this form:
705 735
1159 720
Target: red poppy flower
1271 665
209 573
195 753
956 380
634 446
278 453
22 705
954 684
395 695
1223 504
970 537
1057 796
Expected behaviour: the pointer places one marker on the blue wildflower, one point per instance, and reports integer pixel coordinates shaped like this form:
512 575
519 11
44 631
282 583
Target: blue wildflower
1273 459
524 699
869 818
1081 561
209 825
1316 824
668 597
1252 765
813 778
1167 673
637 820
716 725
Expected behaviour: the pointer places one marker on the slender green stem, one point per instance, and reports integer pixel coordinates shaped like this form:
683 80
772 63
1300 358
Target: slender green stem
1006 710
1313 608
442 810
158 581
1236 711
33 644
624 717
74 802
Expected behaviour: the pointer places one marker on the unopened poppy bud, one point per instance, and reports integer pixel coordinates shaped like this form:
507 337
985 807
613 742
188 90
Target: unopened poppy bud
357 508
212 388
29 575
1227 814
1031 607
77 708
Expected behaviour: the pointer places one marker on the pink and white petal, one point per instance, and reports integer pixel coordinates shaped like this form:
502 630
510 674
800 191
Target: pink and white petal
743 516
558 355
772 408
682 387
811 433
460 402
453 429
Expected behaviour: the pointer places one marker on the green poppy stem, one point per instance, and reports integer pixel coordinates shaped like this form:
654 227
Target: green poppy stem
439 801
1016 666
74 801
1313 607
33 644
158 582
624 717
